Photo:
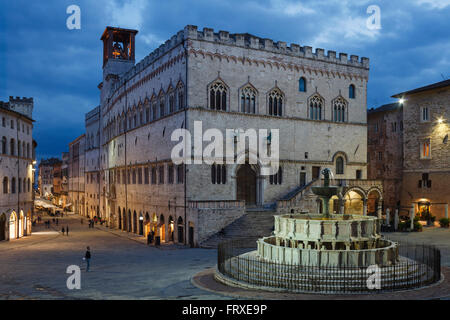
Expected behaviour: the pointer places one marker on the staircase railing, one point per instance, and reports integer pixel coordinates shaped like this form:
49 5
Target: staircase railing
292 198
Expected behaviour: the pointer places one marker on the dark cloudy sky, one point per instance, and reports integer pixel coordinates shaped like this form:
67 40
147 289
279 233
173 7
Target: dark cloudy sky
61 68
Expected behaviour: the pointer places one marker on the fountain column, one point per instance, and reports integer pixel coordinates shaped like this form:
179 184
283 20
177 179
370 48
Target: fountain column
396 220
413 214
342 207
364 207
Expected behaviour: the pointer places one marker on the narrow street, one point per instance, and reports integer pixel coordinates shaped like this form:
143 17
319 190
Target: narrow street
121 267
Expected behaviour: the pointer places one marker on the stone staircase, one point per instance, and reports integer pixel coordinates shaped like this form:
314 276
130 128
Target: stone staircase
255 224
301 199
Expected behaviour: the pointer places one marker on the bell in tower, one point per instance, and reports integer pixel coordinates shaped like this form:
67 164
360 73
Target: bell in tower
118 49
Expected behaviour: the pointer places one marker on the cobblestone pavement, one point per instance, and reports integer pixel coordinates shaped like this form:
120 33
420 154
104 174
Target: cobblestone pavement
122 265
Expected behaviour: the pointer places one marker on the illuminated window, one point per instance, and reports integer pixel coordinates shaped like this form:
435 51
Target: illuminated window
425 152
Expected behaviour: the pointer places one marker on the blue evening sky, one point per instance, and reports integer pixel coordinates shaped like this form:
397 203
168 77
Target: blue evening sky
61 68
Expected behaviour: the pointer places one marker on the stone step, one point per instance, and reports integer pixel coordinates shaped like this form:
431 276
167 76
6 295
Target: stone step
255 224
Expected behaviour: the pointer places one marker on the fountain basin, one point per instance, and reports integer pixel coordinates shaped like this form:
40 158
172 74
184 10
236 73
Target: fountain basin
313 227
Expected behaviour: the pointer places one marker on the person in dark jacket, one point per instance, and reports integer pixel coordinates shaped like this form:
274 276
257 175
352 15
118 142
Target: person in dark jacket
87 256
67 230
62 230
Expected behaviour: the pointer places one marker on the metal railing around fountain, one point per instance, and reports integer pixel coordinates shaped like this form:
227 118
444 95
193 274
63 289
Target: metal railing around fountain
420 265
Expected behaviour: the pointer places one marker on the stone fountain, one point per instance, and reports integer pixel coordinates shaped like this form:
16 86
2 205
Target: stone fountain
344 245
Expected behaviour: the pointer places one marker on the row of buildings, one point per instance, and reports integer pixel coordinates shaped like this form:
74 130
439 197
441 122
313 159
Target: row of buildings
53 180
17 159
122 168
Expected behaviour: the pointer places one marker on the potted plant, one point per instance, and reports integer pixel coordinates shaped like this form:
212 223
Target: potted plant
444 222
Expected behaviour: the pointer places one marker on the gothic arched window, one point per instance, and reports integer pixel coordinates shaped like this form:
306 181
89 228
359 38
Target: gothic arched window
218 174
315 107
12 149
275 98
339 110
277 178
13 185
171 103
5 185
180 90
4 143
351 92
218 96
302 84
248 100
339 165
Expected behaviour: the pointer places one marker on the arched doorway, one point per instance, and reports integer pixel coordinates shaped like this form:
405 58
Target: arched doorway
162 229
21 224
134 222
180 230
12 226
171 228
191 234
120 219
141 224
246 184
374 201
124 220
2 227
354 202
28 223
129 221
147 224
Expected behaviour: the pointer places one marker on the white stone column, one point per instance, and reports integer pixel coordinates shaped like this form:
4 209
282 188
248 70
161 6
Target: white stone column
396 220
342 207
388 216
446 210
364 207
413 214
379 209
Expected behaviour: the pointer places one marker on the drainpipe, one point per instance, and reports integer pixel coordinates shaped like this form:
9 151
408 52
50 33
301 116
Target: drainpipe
186 127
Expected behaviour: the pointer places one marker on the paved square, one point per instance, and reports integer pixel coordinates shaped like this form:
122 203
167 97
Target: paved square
122 265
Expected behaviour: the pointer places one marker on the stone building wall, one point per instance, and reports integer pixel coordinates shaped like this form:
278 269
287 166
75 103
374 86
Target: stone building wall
438 165
385 151
16 208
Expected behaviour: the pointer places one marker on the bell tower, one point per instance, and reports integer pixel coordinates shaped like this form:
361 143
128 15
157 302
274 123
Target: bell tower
118 50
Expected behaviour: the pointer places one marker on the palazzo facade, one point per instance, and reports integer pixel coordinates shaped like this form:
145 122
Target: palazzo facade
317 101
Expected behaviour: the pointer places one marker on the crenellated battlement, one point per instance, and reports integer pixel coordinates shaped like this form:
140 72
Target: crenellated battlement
250 41
20 100
245 40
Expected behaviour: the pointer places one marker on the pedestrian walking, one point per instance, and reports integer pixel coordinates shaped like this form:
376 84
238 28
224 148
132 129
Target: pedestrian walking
87 257
62 230
67 230
149 238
